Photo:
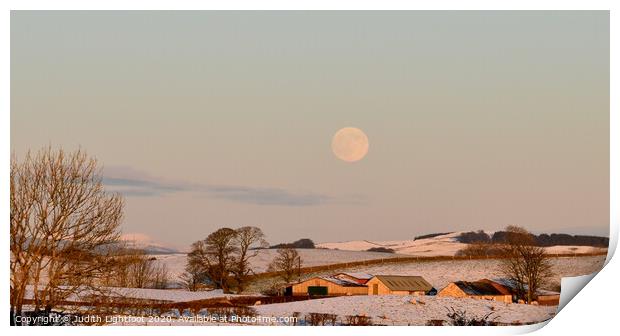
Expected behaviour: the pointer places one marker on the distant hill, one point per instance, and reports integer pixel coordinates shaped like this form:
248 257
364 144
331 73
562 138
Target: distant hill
441 244
137 241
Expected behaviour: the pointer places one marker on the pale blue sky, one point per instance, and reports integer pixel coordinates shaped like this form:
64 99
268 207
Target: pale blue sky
209 119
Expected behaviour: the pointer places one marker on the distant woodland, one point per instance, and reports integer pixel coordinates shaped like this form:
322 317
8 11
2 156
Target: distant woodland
540 240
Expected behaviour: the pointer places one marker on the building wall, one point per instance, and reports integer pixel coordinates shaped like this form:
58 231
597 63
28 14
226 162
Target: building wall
548 300
381 288
332 288
453 290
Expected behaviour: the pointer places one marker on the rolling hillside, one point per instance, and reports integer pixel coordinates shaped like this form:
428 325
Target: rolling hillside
441 245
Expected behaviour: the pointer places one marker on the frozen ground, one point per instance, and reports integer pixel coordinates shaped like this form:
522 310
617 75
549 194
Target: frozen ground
398 310
382 309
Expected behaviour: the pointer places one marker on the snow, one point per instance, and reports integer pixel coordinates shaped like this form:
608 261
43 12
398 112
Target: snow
441 273
383 309
342 252
359 275
170 295
310 257
398 310
567 249
443 245
342 282
436 246
145 242
173 295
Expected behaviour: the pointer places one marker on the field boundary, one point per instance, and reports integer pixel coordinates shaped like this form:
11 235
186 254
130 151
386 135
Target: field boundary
320 268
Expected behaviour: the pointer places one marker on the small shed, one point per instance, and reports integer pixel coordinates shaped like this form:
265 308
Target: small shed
547 298
398 285
542 297
358 277
483 290
324 286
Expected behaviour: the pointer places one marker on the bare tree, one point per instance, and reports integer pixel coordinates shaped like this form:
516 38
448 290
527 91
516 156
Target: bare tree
248 238
524 263
161 276
62 225
287 262
216 256
140 271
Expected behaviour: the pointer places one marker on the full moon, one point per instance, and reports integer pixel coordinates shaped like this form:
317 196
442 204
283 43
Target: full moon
350 144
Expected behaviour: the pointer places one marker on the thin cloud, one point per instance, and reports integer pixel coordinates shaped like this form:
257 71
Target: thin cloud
142 185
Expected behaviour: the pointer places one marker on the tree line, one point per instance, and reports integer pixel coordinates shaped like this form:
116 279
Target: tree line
522 261
543 239
65 240
222 260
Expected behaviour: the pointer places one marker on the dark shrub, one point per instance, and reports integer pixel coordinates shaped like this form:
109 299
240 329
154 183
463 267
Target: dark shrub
431 235
481 250
380 249
320 319
357 320
460 318
304 243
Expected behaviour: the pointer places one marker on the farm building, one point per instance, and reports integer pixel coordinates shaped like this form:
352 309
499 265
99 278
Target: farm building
399 285
481 289
543 297
360 278
547 298
328 286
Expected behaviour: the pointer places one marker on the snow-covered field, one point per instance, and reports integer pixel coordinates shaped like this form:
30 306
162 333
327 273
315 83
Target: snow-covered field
440 273
387 309
170 295
342 252
382 309
399 310
443 245
310 257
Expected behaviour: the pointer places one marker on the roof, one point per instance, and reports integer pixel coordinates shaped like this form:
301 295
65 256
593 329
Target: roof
546 292
342 282
511 284
505 282
405 282
356 275
480 288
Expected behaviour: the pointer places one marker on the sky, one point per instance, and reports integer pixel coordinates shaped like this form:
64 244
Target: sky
475 120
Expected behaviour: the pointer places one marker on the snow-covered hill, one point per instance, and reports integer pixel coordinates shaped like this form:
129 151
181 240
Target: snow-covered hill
144 242
435 246
442 245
